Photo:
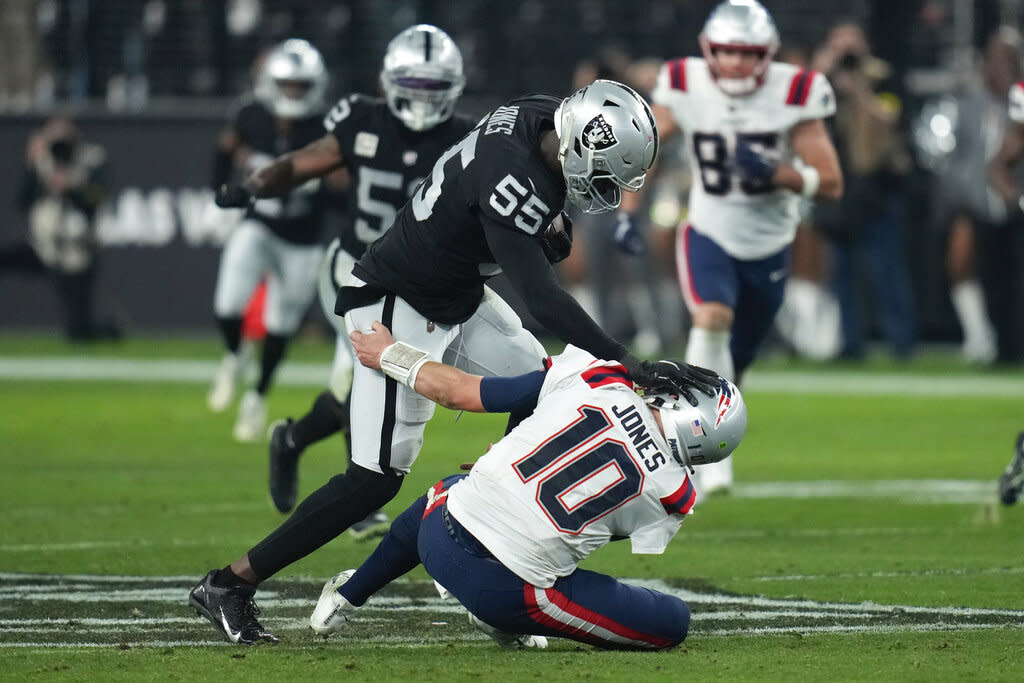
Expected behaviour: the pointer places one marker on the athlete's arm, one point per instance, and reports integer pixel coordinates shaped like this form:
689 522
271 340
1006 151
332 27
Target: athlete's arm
523 261
1000 169
290 170
450 387
811 142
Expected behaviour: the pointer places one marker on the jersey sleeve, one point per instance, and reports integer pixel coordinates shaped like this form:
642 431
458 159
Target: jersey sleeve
513 195
1017 102
671 87
342 121
812 95
245 121
655 537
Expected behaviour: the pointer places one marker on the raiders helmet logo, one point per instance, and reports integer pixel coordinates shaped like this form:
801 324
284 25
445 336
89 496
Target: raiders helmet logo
598 134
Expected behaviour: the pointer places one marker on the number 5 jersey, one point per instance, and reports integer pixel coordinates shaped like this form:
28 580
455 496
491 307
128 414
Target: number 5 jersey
748 220
589 466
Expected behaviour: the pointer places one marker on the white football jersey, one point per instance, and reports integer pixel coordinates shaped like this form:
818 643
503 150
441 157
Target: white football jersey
588 465
748 220
1017 102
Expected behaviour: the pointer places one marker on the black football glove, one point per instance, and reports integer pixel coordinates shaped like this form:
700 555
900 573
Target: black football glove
557 238
677 379
627 236
231 196
753 165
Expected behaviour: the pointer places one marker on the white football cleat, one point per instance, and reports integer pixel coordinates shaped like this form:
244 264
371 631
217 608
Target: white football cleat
509 641
225 382
252 418
332 609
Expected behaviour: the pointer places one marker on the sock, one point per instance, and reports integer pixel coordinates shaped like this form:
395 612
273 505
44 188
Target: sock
969 302
273 351
231 331
226 577
325 417
710 350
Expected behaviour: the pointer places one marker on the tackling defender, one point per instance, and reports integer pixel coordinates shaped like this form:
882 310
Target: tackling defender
594 463
757 144
279 237
492 204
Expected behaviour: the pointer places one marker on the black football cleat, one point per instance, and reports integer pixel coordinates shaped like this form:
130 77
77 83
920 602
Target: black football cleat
1012 481
375 524
231 609
284 467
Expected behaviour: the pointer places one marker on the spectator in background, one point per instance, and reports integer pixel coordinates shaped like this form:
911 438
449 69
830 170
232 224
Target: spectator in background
868 227
975 210
19 54
60 195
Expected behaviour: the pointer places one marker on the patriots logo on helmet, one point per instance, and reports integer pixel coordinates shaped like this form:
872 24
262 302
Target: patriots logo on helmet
597 134
724 400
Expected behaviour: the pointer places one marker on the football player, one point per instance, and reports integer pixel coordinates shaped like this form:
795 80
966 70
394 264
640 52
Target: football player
492 203
278 240
594 463
387 146
757 144
1000 173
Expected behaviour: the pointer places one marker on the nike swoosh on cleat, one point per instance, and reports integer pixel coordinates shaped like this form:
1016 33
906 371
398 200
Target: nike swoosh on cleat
233 636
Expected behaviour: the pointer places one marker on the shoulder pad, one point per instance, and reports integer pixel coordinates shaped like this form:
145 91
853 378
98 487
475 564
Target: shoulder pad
812 92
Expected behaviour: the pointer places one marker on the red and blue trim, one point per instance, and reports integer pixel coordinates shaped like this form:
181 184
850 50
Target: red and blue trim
606 375
800 87
680 502
677 74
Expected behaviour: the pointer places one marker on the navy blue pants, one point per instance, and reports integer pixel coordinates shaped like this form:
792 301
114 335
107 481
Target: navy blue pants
752 289
584 606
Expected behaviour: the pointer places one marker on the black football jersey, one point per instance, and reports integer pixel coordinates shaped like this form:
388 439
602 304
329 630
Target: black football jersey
298 216
386 160
436 256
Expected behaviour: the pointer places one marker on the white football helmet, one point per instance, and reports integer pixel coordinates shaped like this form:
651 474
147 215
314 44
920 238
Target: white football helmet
740 25
293 80
422 76
607 141
706 433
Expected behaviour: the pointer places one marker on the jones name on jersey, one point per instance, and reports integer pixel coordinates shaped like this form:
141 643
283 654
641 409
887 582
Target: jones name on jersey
496 173
297 217
386 160
749 220
591 446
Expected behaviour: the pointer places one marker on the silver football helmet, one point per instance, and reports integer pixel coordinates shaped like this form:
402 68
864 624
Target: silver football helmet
706 433
740 25
293 80
422 76
607 141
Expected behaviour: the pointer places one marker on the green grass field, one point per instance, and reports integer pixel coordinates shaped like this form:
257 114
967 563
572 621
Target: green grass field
863 539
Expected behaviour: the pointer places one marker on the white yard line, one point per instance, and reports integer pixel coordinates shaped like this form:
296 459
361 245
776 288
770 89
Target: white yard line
316 374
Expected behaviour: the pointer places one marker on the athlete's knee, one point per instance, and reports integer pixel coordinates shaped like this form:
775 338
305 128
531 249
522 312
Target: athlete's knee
713 316
678 623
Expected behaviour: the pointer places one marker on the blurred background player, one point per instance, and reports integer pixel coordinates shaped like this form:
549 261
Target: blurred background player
387 145
1000 172
60 194
757 144
507 539
278 240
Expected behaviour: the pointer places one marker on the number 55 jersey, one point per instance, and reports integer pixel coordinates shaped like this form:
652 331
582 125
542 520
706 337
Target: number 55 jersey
589 466
749 220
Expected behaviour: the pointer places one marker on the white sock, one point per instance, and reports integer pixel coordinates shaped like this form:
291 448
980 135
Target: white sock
969 303
710 349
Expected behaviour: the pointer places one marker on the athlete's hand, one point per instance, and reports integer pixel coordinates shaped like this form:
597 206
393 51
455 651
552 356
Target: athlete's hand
628 237
754 165
231 196
557 238
678 379
370 346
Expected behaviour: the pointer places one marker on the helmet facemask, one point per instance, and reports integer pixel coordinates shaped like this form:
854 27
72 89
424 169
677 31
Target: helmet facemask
422 78
607 141
293 80
744 26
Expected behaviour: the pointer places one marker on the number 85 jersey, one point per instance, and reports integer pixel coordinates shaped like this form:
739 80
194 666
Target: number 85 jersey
588 466
748 220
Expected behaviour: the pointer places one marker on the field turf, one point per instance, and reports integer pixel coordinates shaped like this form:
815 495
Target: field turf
863 539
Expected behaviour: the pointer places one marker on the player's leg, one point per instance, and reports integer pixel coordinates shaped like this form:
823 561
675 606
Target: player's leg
494 343
291 286
243 263
329 412
762 289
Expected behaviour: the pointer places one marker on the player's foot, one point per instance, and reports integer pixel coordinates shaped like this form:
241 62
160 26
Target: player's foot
284 466
509 641
1012 481
225 382
980 350
231 609
332 609
376 524
251 424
